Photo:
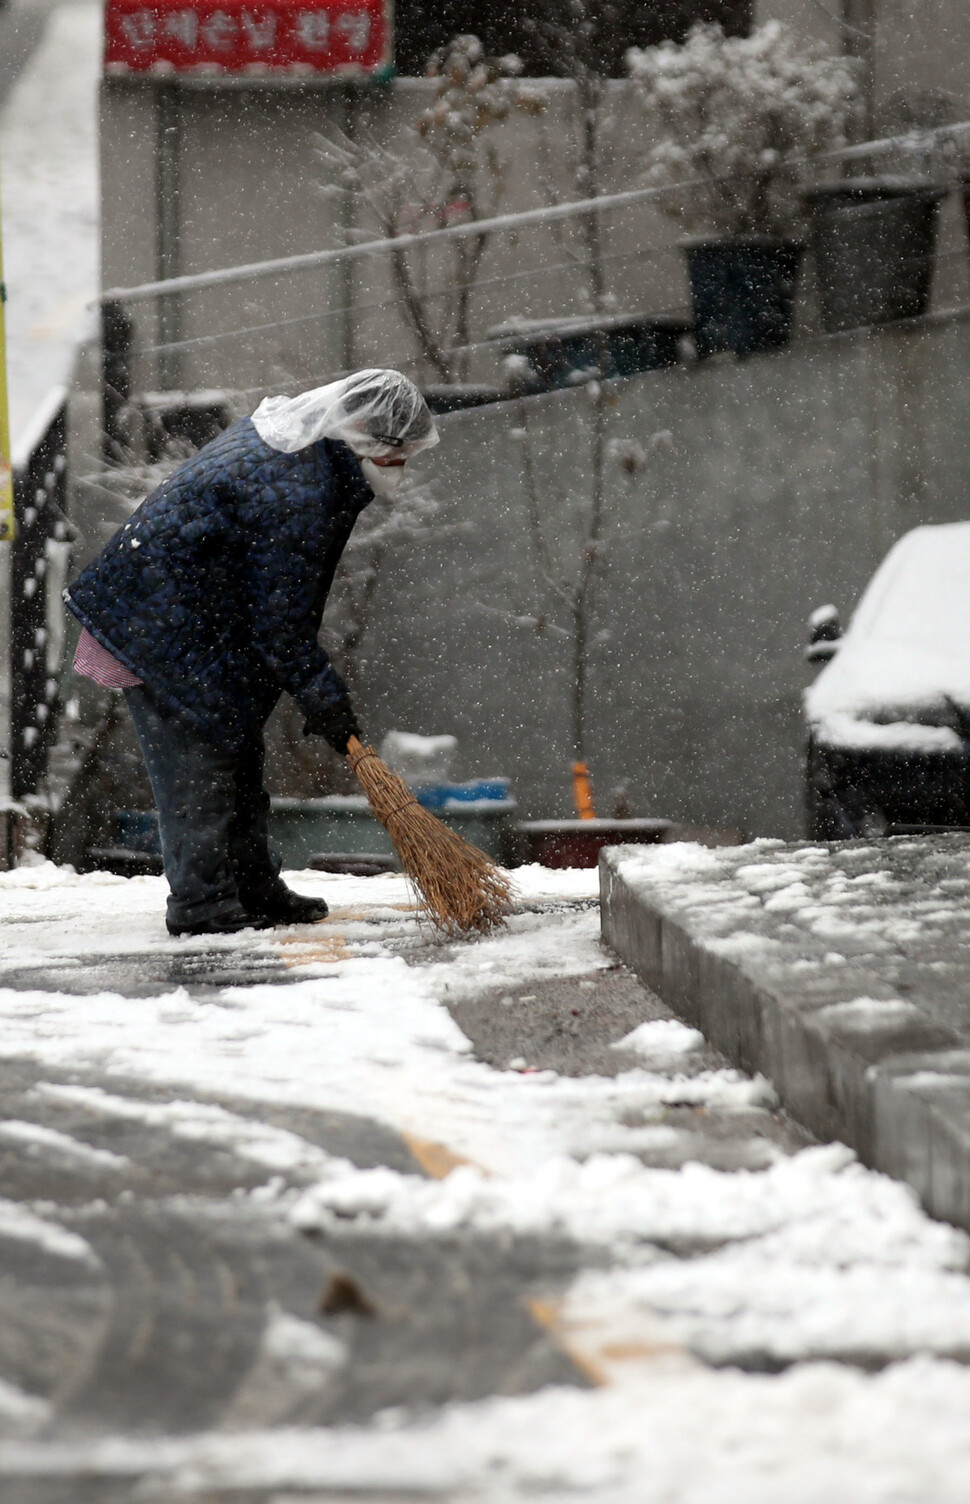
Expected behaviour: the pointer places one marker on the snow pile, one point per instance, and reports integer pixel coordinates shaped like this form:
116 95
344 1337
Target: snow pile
661 1038
901 677
811 1257
360 1032
835 904
19 1224
295 1362
60 1147
864 733
41 876
820 1206
562 945
419 759
274 1149
21 1414
757 1307
698 880
815 1256
367 1038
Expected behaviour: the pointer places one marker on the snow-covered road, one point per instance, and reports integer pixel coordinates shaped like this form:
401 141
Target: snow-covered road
792 1330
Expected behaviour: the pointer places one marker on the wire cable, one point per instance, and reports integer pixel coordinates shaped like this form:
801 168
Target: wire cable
652 253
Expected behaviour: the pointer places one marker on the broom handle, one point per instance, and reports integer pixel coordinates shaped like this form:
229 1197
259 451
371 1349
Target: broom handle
356 754
355 751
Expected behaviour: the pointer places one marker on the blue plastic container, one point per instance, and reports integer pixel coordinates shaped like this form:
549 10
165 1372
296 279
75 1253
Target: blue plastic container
439 795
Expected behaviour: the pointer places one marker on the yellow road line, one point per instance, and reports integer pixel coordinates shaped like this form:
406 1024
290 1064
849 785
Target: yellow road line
345 915
547 1314
595 1353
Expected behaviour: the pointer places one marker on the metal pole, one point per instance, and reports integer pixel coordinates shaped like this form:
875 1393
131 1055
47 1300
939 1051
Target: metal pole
7 530
7 522
859 41
168 228
117 336
345 269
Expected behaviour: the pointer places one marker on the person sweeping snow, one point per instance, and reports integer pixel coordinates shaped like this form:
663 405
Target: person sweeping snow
206 606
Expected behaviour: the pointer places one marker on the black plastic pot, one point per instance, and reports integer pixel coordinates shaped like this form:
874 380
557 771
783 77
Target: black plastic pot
743 293
462 395
197 417
965 195
874 241
574 350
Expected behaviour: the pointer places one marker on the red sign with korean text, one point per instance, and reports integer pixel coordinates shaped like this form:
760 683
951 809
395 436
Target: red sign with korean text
238 36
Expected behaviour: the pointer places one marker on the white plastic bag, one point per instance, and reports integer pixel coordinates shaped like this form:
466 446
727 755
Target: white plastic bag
375 412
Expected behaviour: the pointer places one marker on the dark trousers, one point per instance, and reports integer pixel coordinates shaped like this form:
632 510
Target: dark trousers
213 816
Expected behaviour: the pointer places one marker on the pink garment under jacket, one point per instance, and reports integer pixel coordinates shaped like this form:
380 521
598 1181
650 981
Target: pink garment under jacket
95 662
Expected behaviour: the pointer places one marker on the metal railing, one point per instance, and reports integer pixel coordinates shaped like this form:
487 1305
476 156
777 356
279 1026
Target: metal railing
40 498
514 221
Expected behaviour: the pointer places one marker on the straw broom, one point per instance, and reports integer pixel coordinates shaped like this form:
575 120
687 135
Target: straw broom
463 890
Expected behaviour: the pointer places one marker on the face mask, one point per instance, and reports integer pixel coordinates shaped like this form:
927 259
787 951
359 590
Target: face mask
383 480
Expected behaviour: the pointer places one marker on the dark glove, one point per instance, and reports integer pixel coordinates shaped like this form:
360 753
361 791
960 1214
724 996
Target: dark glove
337 723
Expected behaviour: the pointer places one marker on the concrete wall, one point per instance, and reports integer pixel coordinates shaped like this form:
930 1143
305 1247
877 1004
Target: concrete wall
783 482
923 47
914 60
913 47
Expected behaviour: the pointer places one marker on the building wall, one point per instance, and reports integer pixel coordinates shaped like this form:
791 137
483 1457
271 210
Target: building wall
507 26
915 47
914 61
771 487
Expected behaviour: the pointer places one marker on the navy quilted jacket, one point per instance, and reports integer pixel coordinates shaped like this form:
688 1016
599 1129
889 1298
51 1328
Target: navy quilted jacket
214 590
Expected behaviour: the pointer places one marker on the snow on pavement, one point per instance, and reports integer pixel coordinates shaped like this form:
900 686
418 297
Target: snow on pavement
810 1259
680 1434
20 1225
817 896
365 1035
818 1207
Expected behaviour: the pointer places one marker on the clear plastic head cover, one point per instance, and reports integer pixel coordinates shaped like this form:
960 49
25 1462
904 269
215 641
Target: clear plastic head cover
376 413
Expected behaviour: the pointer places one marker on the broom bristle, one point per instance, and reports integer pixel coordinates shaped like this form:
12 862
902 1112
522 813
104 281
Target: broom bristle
462 889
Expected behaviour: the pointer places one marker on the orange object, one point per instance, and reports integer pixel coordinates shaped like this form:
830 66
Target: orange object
583 792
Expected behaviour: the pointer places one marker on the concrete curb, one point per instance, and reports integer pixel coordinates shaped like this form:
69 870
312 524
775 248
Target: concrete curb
775 999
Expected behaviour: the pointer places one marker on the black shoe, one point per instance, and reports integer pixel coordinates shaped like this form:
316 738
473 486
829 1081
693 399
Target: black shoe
282 906
228 924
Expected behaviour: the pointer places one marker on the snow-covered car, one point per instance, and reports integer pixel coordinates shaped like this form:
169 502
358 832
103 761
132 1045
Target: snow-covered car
889 714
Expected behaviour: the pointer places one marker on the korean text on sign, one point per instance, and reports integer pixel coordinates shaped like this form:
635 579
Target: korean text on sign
343 34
